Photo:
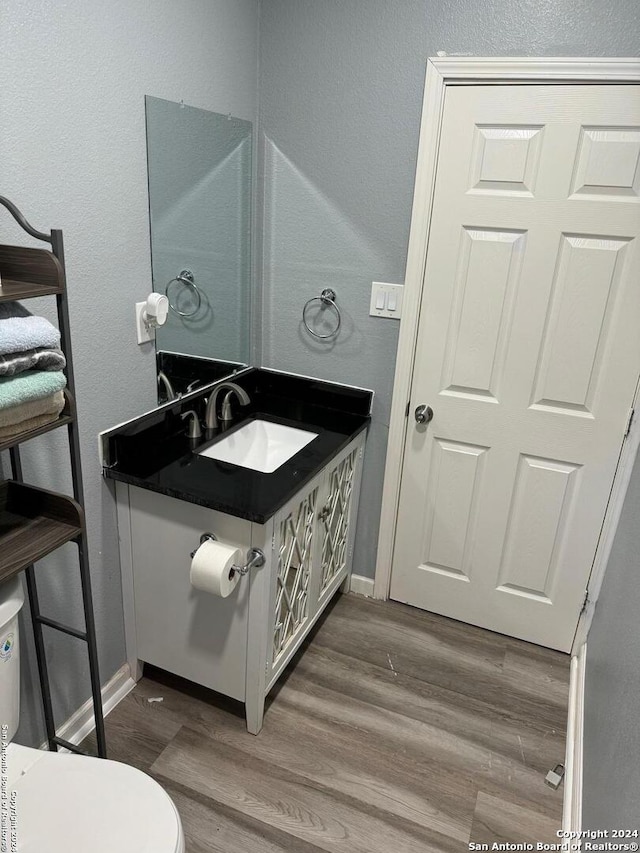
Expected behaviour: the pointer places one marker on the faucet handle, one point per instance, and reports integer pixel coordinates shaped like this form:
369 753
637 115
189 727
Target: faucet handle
193 430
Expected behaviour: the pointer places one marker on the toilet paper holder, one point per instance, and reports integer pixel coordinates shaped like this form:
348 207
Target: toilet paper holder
255 556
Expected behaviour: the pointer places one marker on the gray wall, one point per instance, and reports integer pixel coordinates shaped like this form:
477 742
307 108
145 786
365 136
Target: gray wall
611 796
73 77
340 99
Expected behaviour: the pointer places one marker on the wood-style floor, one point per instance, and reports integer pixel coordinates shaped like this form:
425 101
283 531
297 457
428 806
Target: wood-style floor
395 732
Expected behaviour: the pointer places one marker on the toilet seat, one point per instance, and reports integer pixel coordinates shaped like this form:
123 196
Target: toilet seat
75 804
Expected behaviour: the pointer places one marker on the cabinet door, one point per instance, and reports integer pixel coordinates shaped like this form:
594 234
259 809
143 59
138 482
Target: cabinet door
178 627
312 552
336 518
294 544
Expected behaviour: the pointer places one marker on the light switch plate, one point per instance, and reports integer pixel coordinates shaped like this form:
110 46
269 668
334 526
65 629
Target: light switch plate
383 294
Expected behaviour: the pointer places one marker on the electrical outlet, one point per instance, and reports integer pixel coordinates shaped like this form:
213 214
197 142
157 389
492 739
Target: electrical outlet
144 333
386 299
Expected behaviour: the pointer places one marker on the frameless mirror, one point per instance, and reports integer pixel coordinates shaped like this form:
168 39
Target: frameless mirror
199 170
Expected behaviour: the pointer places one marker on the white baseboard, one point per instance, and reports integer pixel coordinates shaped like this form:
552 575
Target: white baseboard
81 723
572 804
361 585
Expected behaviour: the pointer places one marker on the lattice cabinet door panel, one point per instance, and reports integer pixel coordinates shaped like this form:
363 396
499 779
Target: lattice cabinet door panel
334 520
311 554
293 554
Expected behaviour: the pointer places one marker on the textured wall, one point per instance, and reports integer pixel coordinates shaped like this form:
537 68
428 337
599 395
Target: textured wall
340 99
611 795
73 77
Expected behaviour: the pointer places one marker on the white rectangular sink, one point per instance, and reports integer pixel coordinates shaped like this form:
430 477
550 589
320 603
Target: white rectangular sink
260 445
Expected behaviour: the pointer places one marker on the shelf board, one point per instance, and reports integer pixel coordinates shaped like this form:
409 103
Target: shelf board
33 523
11 290
26 272
66 417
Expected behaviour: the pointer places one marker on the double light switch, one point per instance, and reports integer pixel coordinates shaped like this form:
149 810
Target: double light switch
386 299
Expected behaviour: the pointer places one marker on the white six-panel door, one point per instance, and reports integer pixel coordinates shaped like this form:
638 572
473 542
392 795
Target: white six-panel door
528 353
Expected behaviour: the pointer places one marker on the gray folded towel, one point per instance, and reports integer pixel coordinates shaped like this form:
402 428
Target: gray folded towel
21 331
40 358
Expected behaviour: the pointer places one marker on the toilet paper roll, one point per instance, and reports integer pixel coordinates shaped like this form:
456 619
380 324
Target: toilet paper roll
211 568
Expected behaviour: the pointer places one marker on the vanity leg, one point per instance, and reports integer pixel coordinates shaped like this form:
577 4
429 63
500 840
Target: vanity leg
123 510
254 710
260 629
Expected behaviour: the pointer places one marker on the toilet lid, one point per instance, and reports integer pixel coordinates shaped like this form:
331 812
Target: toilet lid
75 804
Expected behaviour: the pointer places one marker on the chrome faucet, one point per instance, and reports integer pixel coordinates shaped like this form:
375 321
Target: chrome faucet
163 379
210 416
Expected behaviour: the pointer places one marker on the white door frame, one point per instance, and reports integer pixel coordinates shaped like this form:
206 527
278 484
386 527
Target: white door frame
452 71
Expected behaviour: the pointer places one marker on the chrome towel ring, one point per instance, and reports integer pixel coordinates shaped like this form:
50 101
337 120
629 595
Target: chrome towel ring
185 277
327 299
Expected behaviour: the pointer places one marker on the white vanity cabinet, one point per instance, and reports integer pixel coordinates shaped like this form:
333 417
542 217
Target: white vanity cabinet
237 645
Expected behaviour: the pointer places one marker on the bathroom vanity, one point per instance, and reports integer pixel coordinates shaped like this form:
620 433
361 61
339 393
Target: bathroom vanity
170 491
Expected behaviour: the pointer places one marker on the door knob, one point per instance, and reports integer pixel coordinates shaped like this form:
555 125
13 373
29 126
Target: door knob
423 414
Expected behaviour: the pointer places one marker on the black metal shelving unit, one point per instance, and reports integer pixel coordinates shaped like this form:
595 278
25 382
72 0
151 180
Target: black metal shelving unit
33 521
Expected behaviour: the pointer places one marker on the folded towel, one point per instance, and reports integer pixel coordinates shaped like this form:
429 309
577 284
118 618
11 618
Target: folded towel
41 358
25 426
29 424
17 415
20 330
31 385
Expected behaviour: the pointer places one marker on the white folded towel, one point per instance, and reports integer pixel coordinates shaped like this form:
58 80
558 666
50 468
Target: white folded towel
25 426
16 415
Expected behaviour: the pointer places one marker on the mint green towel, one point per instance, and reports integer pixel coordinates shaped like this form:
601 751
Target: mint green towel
30 385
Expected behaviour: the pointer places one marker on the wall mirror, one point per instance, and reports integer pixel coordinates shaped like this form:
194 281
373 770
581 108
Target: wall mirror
199 172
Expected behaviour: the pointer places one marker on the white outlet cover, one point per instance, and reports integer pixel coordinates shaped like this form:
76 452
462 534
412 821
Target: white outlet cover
143 333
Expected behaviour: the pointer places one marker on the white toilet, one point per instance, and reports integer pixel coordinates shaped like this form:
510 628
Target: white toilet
66 803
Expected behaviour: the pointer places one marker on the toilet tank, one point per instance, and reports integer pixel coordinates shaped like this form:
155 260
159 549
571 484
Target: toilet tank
11 600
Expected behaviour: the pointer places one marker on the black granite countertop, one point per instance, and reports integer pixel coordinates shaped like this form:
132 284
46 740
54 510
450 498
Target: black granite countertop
153 452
